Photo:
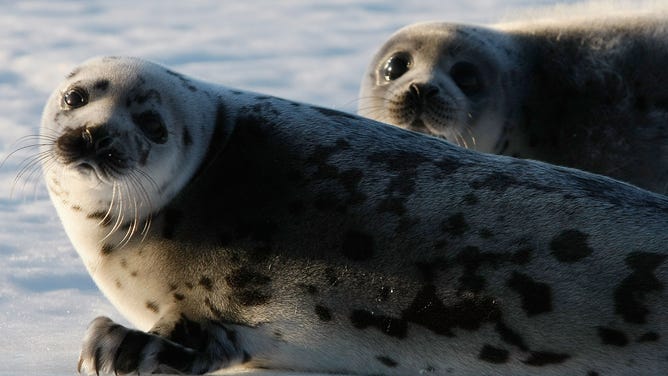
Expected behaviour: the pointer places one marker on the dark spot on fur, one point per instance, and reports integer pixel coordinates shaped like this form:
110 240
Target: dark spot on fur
134 273
472 259
249 298
187 138
172 219
394 205
447 166
178 296
570 246
455 225
536 296
393 327
486 233
138 96
189 285
471 199
153 307
522 256
102 217
402 166
544 358
107 249
119 285
389 362
612 337
510 337
76 208
246 358
323 313
357 246
468 312
493 354
243 278
592 373
310 289
184 80
499 182
250 288
630 293
649 337
101 85
206 283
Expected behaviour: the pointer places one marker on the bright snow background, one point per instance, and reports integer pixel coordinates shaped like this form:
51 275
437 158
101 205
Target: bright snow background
312 51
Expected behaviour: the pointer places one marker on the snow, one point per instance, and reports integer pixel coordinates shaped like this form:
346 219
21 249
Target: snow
312 51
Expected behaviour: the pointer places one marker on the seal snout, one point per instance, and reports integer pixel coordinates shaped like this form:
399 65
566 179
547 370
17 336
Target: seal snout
91 148
420 98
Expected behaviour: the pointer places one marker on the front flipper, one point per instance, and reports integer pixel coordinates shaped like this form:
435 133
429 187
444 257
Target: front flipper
181 346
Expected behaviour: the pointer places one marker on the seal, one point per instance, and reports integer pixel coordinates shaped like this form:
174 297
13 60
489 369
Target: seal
238 229
584 93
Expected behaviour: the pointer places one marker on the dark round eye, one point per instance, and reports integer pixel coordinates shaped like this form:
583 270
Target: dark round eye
152 125
466 77
75 97
396 66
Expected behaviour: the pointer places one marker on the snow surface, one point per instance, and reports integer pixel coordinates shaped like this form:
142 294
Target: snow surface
312 51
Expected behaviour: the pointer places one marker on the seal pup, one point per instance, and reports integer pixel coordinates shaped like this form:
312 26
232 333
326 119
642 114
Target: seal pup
584 93
234 228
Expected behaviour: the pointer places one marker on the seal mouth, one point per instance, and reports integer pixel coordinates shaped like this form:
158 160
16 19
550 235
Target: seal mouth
92 170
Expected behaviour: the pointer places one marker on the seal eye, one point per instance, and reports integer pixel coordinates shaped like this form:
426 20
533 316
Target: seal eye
466 77
396 66
75 97
152 125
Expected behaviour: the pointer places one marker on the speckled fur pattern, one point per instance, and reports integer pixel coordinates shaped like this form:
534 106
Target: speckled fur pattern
588 93
295 237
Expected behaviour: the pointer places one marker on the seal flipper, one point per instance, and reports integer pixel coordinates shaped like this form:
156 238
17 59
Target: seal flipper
182 346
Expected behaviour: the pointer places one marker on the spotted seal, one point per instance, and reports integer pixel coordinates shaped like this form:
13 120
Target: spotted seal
585 93
239 229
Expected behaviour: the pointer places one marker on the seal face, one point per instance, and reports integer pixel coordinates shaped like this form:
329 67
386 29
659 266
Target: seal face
445 80
568 93
285 236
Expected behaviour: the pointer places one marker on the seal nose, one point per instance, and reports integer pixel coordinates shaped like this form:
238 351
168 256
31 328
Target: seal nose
83 142
422 91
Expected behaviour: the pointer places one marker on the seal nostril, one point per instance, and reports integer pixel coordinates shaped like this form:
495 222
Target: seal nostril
422 91
414 89
86 136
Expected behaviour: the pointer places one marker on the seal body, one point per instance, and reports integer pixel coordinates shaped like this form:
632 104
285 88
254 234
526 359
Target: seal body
588 93
239 229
